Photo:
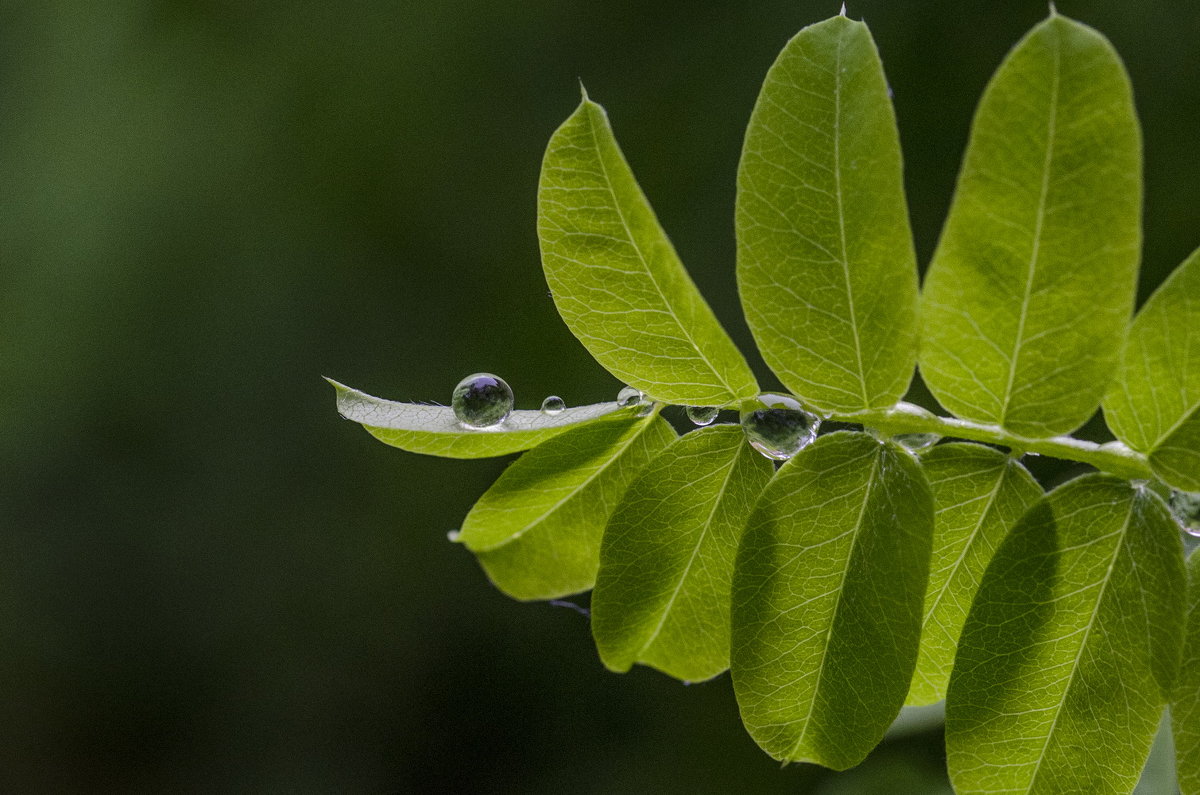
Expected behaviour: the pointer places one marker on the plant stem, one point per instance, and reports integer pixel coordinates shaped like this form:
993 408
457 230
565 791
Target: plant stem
1114 457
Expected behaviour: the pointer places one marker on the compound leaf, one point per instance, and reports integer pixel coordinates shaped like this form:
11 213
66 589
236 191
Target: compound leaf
827 599
434 430
616 279
666 562
1071 648
1028 297
1153 404
826 268
537 530
1185 710
979 494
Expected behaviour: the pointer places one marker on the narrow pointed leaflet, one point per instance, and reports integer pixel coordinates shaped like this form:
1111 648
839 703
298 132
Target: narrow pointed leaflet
827 599
616 279
666 563
1070 651
1185 709
1029 293
1153 404
435 430
979 494
826 268
537 530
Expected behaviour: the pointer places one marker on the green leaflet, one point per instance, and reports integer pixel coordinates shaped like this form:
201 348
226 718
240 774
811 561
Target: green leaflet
666 563
1185 710
1071 647
827 595
617 280
537 530
434 430
1028 296
1153 404
826 268
978 495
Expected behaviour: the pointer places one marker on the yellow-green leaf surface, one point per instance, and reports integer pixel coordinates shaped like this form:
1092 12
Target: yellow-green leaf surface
827 600
1185 710
1069 653
1029 294
434 430
1153 404
617 280
666 563
979 494
826 267
537 530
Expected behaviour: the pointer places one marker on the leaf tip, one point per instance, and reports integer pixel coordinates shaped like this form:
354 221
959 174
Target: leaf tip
1053 10
842 13
583 94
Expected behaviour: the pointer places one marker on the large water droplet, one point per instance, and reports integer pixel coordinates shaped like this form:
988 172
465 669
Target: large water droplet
779 427
553 405
1185 507
482 400
916 442
702 415
629 397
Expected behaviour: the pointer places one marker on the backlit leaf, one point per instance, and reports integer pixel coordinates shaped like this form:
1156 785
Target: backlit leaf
537 530
1070 651
826 267
1185 710
827 599
666 563
1029 294
617 280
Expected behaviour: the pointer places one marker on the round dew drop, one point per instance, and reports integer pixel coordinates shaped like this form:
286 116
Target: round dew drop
702 415
482 400
916 442
1185 507
779 427
553 405
629 397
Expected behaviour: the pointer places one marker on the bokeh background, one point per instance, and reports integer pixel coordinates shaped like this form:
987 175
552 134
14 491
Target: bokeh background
208 582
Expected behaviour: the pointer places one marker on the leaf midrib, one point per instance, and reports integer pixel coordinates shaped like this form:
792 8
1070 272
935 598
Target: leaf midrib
732 394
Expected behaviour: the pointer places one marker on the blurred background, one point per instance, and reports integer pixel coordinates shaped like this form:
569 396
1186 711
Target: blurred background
208 581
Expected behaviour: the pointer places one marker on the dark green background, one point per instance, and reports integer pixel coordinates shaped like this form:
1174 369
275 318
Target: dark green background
208 582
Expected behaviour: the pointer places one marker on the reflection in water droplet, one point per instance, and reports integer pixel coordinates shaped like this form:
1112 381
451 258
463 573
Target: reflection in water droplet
702 415
629 397
779 427
916 441
553 405
482 400
1185 507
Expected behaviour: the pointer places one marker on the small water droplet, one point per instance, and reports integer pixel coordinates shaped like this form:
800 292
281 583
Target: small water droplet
1185 507
453 536
553 405
916 442
779 427
702 415
482 400
629 397
645 407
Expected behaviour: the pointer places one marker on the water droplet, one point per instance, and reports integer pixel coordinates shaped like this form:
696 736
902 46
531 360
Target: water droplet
916 442
1185 507
453 536
629 397
553 405
779 427
645 407
702 415
482 400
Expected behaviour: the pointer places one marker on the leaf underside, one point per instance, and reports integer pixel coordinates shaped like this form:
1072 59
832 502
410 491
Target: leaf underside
666 563
827 599
1185 709
979 494
1070 650
616 279
826 268
434 430
537 530
1028 296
